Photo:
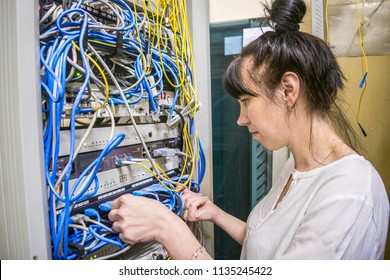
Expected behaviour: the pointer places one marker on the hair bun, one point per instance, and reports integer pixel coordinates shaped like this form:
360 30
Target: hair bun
286 15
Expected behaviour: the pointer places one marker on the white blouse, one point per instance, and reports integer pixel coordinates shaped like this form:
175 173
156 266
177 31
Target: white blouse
337 211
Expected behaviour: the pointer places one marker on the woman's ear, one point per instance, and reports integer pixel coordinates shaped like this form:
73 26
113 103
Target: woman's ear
291 87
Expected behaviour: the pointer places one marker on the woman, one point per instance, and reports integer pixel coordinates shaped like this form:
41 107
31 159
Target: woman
329 202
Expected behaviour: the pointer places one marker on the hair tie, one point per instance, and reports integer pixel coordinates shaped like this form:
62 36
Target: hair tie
291 27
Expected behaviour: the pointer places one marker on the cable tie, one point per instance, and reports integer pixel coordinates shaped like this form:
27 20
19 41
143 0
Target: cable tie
119 44
76 248
147 47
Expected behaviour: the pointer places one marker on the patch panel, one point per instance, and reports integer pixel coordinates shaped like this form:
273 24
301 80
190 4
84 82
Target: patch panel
112 160
112 180
99 137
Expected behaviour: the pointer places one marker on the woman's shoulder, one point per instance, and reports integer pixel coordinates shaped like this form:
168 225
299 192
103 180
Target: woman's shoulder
354 167
352 176
348 167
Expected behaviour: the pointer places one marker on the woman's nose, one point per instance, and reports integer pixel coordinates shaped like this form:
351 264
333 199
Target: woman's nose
242 119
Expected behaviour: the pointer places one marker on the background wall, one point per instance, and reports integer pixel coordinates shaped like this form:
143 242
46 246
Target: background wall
230 10
375 113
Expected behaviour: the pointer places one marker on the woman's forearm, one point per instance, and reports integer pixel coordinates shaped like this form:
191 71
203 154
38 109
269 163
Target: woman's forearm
231 225
179 241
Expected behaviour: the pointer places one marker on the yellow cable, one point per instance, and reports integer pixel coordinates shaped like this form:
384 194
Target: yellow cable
103 76
360 101
190 58
149 34
360 32
188 147
154 175
182 49
158 177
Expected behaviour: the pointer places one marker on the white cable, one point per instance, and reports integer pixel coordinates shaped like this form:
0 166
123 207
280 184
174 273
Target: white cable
85 136
112 121
134 160
74 60
82 70
127 105
107 107
48 13
83 228
79 219
57 12
88 219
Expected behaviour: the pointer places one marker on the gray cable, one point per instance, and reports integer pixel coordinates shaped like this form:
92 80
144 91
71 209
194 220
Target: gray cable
128 107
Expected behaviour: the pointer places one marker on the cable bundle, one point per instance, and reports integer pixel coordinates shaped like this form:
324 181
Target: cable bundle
99 58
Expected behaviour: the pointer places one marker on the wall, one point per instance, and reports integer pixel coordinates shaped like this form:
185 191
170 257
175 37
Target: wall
375 113
230 10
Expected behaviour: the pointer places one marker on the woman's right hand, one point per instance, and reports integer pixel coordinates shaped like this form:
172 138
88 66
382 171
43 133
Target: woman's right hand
198 207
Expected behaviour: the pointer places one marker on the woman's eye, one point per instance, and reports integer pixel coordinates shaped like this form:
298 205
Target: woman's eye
244 101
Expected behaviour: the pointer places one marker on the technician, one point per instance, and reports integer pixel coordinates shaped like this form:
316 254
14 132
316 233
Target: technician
328 203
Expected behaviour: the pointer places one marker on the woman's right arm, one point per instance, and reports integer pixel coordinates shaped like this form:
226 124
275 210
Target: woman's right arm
199 208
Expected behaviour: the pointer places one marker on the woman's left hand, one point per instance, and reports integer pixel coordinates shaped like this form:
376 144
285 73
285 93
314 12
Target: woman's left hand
138 219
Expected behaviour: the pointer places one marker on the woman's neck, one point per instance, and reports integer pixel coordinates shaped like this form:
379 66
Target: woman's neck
316 145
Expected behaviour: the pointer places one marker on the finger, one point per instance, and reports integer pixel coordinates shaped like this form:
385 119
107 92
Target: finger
188 191
124 239
187 197
117 203
116 226
195 201
113 215
185 190
195 205
195 209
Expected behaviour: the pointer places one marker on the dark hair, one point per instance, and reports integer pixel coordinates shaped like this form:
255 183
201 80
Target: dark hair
286 49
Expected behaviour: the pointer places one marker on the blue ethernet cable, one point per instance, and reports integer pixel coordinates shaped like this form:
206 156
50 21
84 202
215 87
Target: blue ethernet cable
64 214
201 163
177 92
52 148
181 204
73 126
112 144
130 13
53 75
151 96
93 230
